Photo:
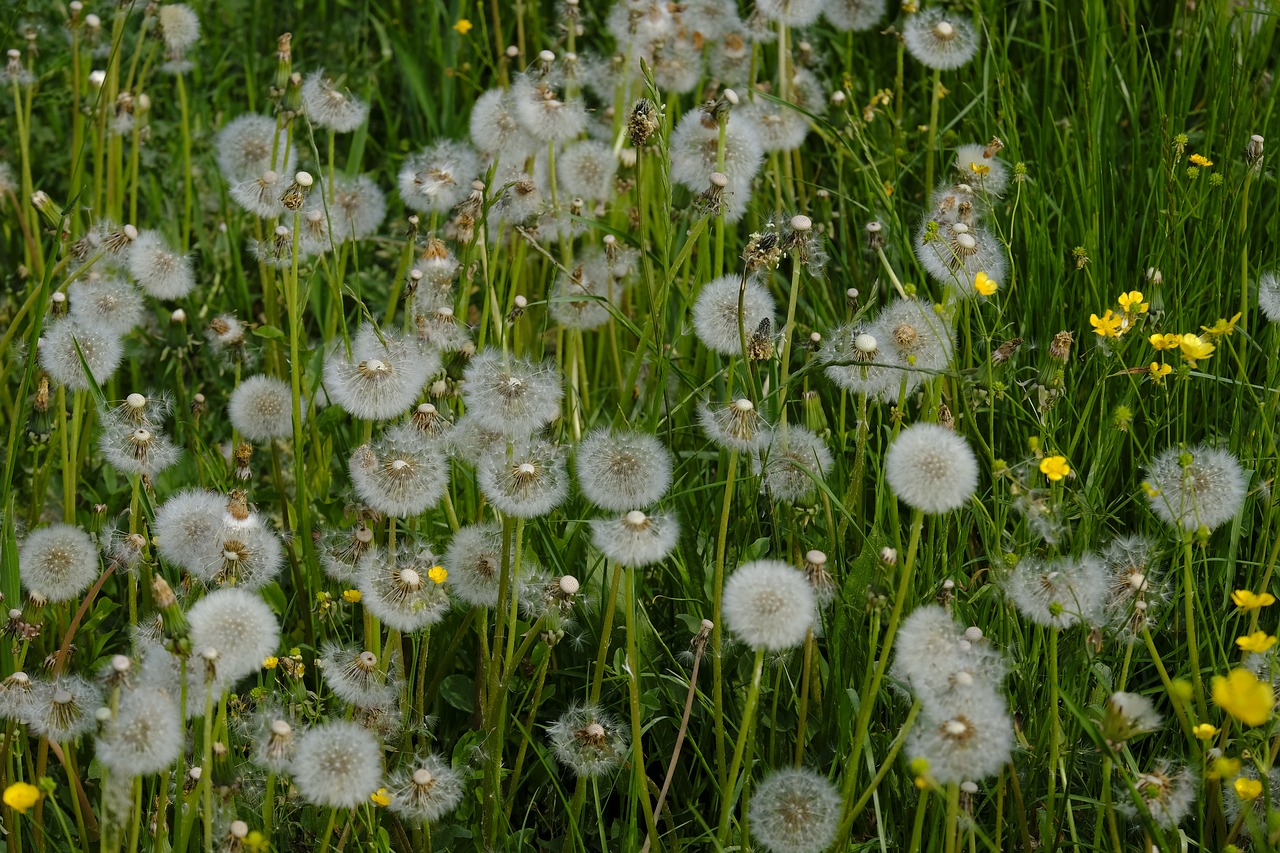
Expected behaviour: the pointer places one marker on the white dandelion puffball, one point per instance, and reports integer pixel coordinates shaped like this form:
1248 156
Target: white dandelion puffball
931 469
622 470
240 627
58 562
716 312
1197 487
768 604
938 39
261 408
795 810
338 765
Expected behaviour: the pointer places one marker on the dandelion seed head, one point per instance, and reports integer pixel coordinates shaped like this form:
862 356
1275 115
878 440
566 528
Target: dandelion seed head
426 789
588 741
1269 295
972 739
636 539
261 408
240 627
145 736
62 709
496 130
717 320
105 303
338 764
438 178
58 562
398 588
795 459
938 39
509 394
931 468
736 425
526 482
768 604
353 674
1199 486
474 561
179 26
795 810
854 15
383 376
331 108
1058 593
401 474
622 469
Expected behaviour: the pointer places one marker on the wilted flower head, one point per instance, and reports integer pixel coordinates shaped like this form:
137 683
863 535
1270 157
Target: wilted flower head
636 539
405 590
510 394
588 741
938 39
795 810
383 376
425 789
474 562
58 562
1197 487
768 604
261 408
331 108
526 480
338 764
931 468
1058 593
400 475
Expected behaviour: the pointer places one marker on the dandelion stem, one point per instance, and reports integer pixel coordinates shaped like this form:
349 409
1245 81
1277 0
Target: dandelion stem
717 595
1193 651
935 98
633 681
728 791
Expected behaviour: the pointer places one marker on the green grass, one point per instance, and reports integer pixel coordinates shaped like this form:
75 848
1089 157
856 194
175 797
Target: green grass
1099 107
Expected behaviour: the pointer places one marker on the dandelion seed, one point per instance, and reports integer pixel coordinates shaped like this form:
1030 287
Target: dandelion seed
509 394
496 130
931 468
186 523
261 408
1198 487
425 789
621 470
145 736
971 740
636 539
329 108
917 337
588 741
252 144
137 450
795 810
939 40
439 177
382 378
1058 593
527 481
58 562
338 764
769 605
736 425
101 349
399 475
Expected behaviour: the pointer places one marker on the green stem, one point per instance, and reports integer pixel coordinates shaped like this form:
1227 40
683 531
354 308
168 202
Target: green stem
727 793
633 682
717 593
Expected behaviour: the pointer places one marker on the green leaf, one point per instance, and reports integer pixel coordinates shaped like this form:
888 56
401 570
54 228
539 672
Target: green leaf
460 692
269 332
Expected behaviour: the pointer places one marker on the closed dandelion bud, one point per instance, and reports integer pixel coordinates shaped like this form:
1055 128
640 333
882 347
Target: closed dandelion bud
425 789
526 482
620 470
172 618
769 605
354 676
636 539
509 394
815 569
937 39
1253 152
331 108
717 319
1058 593
1128 715
47 208
1199 487
405 590
795 810
62 709
931 468
58 562
474 562
736 425
240 627
338 765
382 378
588 741
400 475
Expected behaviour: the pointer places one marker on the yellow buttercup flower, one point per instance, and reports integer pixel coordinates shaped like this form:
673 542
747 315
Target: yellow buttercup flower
1109 325
463 26
1247 601
1195 348
984 284
1055 467
1257 642
1132 302
1200 160
1205 731
1159 372
1248 789
1223 768
1222 328
380 797
351 595
270 662
21 796
1244 697
438 574
980 169
1163 342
